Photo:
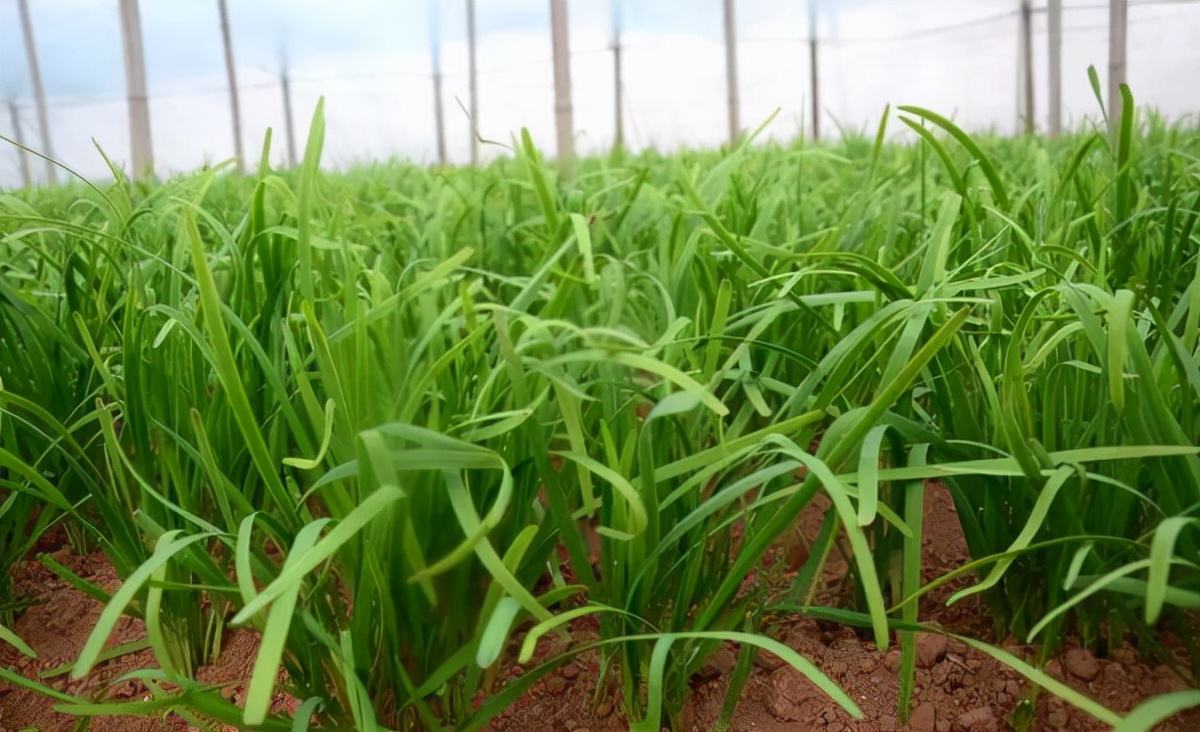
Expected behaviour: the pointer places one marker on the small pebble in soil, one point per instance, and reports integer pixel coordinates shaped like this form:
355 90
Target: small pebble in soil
924 718
794 697
980 719
1115 675
1082 664
930 649
720 663
892 660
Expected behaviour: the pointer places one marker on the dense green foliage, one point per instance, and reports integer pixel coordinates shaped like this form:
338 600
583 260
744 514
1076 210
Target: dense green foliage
362 412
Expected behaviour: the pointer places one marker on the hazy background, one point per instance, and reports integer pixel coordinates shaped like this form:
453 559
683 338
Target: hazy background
371 61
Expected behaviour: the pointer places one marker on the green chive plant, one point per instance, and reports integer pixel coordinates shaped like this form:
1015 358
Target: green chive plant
406 423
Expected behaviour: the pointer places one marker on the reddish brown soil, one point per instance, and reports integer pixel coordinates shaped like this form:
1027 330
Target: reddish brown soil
58 624
957 689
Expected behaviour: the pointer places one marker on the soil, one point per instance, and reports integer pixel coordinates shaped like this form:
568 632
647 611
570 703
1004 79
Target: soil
957 689
57 625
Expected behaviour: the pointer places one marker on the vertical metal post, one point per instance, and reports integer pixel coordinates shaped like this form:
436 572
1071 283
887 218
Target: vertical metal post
564 123
1054 63
1027 66
39 92
23 157
285 84
435 60
1118 11
731 72
473 81
618 88
813 74
141 147
231 74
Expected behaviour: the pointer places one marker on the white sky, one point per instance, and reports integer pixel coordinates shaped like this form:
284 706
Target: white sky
371 61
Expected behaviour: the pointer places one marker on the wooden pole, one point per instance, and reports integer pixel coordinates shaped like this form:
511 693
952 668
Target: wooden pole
473 81
813 74
39 92
23 157
731 71
1054 63
1118 11
618 89
286 85
1027 66
564 123
231 75
140 145
435 53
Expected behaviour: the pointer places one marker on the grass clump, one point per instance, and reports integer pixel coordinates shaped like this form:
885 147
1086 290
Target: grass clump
363 412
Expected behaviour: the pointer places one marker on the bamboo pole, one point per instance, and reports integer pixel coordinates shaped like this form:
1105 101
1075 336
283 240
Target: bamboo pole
140 145
564 123
473 80
618 84
1054 63
435 60
1027 116
39 92
285 84
231 74
813 71
1118 11
731 70
22 157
